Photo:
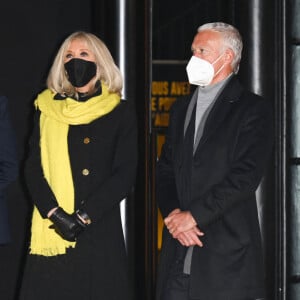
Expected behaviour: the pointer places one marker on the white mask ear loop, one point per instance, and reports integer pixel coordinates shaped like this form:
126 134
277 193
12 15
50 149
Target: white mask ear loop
216 73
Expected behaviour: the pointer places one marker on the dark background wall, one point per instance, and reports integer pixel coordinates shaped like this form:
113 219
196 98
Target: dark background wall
31 32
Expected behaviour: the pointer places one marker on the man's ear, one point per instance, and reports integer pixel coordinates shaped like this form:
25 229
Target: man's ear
229 55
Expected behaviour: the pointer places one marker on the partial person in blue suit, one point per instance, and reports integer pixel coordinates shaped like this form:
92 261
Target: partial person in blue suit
8 166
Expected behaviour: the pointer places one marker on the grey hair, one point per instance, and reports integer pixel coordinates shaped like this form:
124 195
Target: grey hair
231 37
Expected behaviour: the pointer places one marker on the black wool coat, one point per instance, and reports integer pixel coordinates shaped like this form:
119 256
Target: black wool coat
219 190
103 156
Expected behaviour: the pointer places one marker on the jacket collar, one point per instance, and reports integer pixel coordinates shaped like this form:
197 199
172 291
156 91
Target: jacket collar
223 105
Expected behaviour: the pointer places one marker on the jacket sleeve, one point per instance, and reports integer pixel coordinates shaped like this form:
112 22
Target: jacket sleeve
39 190
119 184
251 154
8 155
166 192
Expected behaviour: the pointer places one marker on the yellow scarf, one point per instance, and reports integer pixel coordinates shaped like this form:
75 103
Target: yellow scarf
56 116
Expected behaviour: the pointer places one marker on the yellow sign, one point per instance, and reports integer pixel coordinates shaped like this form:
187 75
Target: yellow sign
164 93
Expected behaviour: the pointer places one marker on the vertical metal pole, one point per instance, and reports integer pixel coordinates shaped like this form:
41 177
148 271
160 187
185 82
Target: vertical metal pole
126 26
262 25
280 150
134 56
293 207
121 54
125 44
145 266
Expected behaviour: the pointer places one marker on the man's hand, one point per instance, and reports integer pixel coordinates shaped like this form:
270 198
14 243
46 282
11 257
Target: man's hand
182 226
190 237
179 221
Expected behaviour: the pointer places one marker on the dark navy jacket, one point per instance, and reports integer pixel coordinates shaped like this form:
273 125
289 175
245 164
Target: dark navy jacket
8 166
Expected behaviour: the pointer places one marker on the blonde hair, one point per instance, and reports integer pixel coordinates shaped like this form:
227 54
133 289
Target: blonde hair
107 71
231 37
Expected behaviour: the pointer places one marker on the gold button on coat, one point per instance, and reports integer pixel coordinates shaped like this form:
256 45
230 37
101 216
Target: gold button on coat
85 172
86 140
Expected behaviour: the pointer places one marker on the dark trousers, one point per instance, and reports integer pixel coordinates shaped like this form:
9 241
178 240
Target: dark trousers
177 287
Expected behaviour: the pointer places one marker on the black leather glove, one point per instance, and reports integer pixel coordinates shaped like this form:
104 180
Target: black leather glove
68 226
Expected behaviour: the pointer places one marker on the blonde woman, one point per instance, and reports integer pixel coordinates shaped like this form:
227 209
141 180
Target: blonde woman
82 163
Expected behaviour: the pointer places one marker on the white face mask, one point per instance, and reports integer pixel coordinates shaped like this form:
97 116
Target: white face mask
200 71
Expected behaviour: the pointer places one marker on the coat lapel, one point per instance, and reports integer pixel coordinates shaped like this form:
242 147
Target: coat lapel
181 130
221 109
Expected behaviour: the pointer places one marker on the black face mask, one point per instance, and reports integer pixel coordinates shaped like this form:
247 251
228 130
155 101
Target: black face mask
80 71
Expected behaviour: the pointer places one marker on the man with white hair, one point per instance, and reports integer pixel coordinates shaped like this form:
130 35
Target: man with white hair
216 150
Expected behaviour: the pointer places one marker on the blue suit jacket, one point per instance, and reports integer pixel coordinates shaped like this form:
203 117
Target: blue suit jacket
8 166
